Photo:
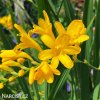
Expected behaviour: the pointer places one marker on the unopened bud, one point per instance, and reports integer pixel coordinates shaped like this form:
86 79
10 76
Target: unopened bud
12 78
1 85
21 73
20 60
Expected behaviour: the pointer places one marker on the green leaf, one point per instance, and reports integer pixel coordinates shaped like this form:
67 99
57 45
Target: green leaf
36 91
59 84
25 87
69 12
60 7
41 7
88 19
52 6
96 92
96 56
6 39
85 83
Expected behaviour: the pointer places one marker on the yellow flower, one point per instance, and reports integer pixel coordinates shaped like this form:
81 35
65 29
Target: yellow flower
76 30
1 85
45 71
60 49
26 40
6 21
45 27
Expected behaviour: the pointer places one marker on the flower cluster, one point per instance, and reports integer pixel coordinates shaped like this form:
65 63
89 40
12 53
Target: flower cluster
57 50
6 21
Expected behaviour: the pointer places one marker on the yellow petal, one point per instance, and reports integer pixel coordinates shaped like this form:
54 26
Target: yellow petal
21 46
82 38
20 29
43 28
66 61
38 30
42 23
41 80
30 32
49 78
24 55
31 43
54 62
59 27
9 22
55 71
83 31
72 50
7 53
45 68
31 75
45 54
48 41
75 27
63 40
38 74
34 44
46 16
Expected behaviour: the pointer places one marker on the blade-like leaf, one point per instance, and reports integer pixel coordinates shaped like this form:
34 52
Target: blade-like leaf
84 70
69 12
59 84
96 92
96 56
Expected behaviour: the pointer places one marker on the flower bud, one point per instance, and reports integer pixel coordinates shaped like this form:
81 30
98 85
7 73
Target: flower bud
12 78
1 85
20 60
21 73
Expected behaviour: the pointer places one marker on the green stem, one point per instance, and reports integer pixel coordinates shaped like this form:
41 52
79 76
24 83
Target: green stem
46 92
35 88
88 64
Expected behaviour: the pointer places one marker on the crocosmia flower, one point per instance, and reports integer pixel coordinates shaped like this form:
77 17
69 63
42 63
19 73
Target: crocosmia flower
6 21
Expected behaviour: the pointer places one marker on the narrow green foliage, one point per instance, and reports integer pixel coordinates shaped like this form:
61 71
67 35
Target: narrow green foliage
7 40
41 7
84 70
96 95
25 88
96 56
69 11
59 84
